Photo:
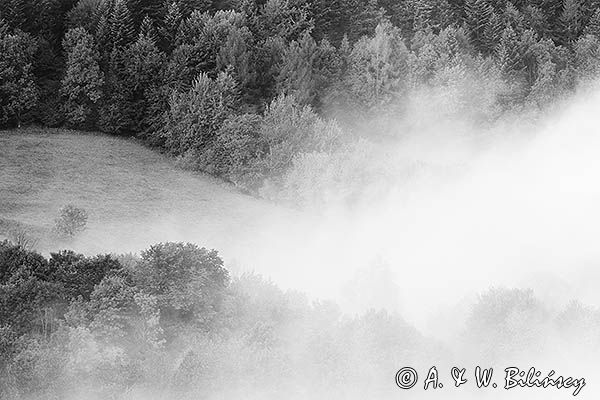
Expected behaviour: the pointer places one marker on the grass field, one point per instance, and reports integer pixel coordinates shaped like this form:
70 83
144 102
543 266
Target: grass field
134 196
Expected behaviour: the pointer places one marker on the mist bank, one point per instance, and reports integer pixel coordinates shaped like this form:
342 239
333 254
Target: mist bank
445 209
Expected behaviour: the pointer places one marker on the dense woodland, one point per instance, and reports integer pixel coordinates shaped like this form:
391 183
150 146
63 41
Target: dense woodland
172 323
245 89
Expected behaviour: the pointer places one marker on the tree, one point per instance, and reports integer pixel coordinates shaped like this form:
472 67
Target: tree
15 258
430 14
593 26
237 145
507 321
144 64
83 80
102 33
287 19
78 274
287 128
121 24
298 75
570 21
190 6
28 299
235 54
482 24
86 14
170 26
140 9
116 111
378 70
18 89
147 29
14 13
70 221
587 57
200 47
195 115
189 282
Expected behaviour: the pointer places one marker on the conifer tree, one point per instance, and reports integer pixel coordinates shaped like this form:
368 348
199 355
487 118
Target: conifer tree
14 13
143 77
297 72
570 21
235 53
508 51
121 25
103 31
478 16
170 26
593 26
370 15
308 69
491 33
189 6
147 29
423 11
400 13
4 27
141 8
587 57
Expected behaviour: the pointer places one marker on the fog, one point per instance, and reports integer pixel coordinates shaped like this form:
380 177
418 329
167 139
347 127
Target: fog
464 207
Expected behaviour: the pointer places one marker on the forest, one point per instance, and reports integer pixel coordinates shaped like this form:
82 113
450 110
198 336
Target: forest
251 91
283 100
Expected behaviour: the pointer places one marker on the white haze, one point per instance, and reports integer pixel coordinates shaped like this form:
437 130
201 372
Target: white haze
516 206
512 205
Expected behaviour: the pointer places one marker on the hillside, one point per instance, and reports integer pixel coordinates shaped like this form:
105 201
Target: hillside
134 196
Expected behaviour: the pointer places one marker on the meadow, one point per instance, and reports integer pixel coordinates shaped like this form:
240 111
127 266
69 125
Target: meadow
134 195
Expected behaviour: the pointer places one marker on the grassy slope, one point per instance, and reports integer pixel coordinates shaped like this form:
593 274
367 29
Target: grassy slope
134 196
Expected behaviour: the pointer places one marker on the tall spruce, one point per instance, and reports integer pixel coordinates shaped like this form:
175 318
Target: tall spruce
170 26
122 31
